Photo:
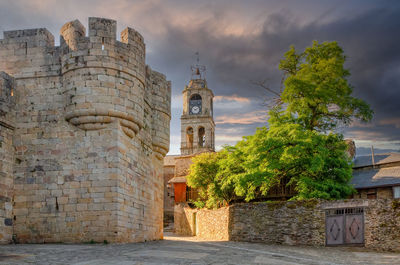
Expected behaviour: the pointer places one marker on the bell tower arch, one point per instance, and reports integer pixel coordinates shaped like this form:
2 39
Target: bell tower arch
197 122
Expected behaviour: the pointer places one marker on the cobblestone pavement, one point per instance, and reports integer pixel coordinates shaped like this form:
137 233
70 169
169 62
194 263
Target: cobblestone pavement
186 250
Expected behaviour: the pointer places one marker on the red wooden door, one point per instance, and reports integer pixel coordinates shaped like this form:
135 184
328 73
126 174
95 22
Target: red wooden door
180 192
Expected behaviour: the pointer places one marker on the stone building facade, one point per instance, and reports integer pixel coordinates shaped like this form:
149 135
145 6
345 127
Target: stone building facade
84 127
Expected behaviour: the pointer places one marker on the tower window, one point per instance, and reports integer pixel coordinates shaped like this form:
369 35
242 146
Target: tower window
202 137
195 97
189 137
195 104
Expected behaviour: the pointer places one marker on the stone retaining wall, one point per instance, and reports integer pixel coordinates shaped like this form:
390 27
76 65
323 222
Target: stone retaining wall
206 224
382 224
291 223
183 220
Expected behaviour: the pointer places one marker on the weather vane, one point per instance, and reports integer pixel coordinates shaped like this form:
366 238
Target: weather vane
198 71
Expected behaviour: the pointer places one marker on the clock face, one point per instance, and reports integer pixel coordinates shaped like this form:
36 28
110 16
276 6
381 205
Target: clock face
195 104
195 109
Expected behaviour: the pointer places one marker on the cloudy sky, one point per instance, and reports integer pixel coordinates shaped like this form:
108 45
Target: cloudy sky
242 42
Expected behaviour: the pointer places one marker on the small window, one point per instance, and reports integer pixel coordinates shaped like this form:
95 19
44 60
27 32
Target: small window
396 192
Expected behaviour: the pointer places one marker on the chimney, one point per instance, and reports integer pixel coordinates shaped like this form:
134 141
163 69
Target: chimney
351 148
373 156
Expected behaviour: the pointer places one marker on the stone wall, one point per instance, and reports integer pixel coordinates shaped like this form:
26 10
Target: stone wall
382 224
213 224
292 223
6 184
91 131
205 224
7 120
184 223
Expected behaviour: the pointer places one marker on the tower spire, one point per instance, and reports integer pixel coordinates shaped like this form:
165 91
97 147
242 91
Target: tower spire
198 70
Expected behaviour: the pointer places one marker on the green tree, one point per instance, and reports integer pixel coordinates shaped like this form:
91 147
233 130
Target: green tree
316 99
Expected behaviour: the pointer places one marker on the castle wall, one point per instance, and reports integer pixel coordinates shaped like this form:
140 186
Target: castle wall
85 135
7 119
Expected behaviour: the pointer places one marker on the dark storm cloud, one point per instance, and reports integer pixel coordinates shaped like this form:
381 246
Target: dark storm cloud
243 41
370 40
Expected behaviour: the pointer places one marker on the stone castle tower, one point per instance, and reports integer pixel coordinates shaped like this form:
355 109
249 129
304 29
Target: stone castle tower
84 128
197 123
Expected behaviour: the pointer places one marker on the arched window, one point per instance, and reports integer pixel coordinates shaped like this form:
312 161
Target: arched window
195 104
189 137
202 137
195 97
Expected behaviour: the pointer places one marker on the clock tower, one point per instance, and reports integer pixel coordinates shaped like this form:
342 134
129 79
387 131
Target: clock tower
197 123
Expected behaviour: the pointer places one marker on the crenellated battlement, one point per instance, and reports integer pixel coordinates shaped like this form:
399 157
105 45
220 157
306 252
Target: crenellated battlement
72 34
101 49
91 127
32 37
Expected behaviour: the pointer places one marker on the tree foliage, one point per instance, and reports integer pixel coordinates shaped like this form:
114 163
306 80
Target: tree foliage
317 93
316 164
299 145
211 174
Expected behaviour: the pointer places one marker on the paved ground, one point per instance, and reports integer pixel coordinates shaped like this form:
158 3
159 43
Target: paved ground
180 250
